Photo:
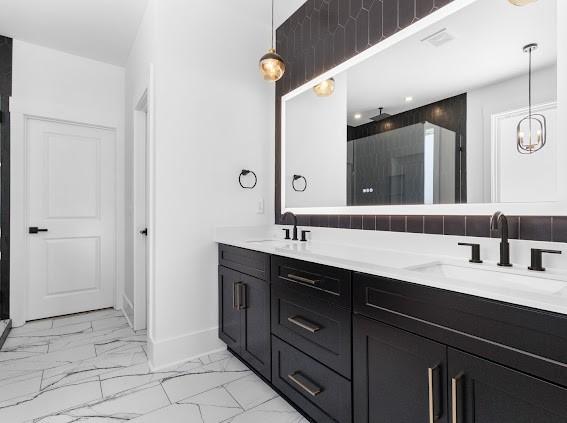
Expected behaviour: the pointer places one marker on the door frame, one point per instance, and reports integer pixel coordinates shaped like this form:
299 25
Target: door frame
495 142
21 113
140 176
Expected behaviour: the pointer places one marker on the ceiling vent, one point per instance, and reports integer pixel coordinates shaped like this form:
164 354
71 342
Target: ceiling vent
439 38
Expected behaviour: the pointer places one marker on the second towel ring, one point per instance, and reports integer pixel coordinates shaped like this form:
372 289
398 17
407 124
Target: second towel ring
296 178
246 172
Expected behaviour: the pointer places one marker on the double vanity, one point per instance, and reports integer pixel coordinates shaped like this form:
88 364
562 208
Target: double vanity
354 334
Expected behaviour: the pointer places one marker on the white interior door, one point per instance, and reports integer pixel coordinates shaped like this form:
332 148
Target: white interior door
71 174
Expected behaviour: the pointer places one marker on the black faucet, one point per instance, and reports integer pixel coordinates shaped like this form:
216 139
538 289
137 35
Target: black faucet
499 227
295 238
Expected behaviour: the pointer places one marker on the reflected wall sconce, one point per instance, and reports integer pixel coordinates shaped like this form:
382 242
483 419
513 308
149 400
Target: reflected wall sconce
531 130
325 88
272 66
246 172
297 178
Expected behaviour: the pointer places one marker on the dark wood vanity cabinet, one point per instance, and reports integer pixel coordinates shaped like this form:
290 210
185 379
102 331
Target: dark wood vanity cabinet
485 392
347 347
244 313
398 376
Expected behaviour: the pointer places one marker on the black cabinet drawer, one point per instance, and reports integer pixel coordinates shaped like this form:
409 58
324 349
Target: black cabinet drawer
249 262
318 391
319 329
530 340
324 282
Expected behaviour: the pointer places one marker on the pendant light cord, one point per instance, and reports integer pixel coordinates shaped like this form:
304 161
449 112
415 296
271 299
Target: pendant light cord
530 95
273 1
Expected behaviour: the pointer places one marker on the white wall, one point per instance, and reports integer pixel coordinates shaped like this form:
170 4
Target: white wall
48 83
484 102
316 147
214 115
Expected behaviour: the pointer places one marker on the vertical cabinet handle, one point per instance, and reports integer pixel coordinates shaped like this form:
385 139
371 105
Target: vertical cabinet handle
239 298
243 297
235 296
433 389
455 411
431 399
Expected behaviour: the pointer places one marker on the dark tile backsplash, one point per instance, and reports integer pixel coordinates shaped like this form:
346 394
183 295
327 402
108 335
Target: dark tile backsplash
532 228
322 34
537 228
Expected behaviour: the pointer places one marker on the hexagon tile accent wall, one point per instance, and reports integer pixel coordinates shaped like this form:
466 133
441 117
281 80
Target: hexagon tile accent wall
324 33
5 66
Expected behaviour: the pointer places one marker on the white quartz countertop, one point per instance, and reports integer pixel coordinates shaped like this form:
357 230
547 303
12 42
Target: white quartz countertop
516 285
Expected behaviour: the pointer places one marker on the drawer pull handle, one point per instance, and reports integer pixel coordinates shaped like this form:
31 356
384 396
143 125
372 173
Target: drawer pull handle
302 279
304 324
305 384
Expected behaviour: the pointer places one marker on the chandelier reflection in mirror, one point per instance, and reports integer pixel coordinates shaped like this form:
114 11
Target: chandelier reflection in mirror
531 131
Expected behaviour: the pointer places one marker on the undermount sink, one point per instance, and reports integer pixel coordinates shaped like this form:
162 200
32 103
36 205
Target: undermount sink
497 279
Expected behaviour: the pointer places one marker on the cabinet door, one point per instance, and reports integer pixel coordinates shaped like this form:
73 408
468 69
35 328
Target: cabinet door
398 377
229 315
485 392
255 336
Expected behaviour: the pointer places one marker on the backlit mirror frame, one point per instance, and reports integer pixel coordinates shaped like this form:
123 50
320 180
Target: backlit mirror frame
558 207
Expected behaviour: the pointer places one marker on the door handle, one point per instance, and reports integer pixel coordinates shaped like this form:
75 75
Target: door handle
36 230
144 232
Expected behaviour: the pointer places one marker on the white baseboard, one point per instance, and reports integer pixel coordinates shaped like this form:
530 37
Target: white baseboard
128 310
172 351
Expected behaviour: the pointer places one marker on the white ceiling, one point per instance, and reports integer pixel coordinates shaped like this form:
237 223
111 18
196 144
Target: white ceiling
103 30
487 48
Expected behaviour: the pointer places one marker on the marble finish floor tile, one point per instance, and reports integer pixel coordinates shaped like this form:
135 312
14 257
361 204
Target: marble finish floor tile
92 367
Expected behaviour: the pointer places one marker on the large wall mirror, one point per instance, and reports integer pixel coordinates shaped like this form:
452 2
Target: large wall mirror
460 109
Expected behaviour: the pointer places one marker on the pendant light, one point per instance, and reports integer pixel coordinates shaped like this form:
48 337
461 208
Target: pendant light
325 88
531 130
521 2
272 65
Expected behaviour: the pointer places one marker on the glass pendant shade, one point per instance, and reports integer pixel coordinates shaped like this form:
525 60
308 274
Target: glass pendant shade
272 66
521 2
325 88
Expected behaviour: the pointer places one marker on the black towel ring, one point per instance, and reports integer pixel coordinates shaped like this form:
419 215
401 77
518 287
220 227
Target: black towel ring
246 172
295 178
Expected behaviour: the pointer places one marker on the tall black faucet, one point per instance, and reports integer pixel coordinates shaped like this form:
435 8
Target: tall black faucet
295 238
499 227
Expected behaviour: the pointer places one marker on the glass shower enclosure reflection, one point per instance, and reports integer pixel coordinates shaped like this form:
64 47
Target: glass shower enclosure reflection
416 164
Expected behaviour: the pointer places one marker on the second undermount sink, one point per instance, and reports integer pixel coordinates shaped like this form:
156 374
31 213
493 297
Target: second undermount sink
493 278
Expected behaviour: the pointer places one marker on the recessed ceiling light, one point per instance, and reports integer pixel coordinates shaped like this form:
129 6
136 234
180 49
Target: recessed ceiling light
409 99
358 116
